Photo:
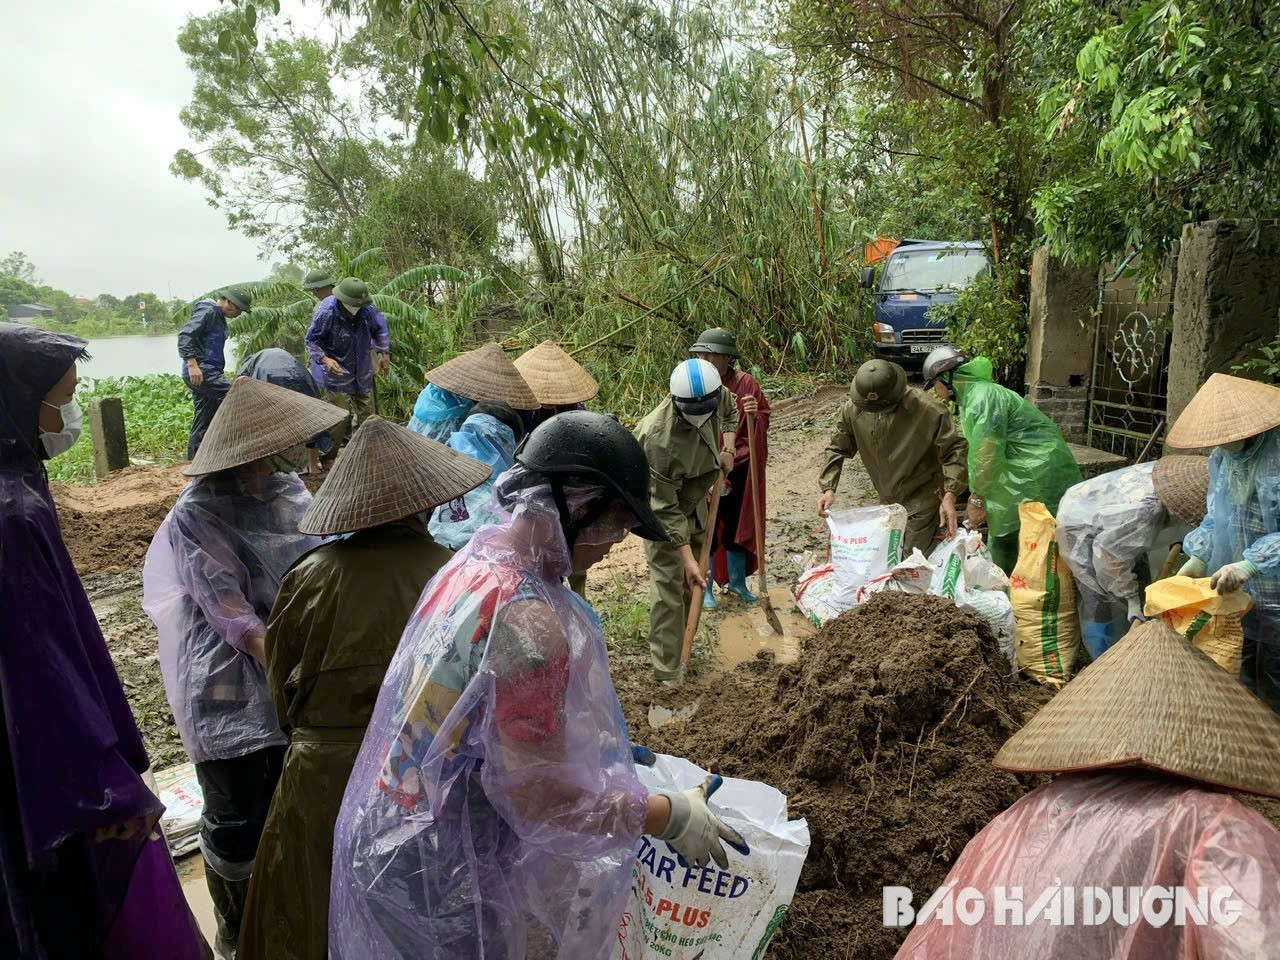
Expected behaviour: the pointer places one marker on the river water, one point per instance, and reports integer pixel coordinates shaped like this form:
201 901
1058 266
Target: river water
137 356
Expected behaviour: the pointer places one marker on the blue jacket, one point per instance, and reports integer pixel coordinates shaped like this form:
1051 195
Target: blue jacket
204 337
348 340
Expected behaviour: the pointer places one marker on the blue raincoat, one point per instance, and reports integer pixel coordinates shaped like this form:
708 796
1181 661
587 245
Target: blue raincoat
1243 523
438 413
490 441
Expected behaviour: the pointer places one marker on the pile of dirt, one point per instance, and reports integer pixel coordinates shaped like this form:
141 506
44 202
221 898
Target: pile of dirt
881 735
108 526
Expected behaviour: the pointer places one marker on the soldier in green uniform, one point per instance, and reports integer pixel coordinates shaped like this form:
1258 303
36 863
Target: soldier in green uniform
689 440
910 446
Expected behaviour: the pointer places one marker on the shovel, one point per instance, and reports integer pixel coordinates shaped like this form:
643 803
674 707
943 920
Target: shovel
695 605
769 613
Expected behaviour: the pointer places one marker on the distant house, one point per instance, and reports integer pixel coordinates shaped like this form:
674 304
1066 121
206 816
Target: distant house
26 312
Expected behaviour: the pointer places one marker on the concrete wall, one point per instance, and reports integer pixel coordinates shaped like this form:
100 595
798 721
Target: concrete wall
1226 302
1060 341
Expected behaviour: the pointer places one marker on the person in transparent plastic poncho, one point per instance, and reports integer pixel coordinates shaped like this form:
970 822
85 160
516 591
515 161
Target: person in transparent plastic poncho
1108 526
1016 453
494 809
209 581
489 434
1238 543
437 413
1139 849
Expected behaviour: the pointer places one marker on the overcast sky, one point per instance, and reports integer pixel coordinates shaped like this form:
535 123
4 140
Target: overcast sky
89 97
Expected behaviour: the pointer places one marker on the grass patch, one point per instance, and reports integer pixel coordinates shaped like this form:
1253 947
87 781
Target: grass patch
157 419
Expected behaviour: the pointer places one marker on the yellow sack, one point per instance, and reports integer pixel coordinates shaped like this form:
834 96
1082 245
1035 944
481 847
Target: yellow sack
1047 631
1211 621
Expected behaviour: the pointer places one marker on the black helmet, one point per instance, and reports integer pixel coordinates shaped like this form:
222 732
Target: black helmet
596 447
878 385
716 340
943 360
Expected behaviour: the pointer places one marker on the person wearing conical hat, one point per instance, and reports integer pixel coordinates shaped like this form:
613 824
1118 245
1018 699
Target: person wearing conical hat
494 807
202 347
485 373
1238 541
83 869
346 330
1147 742
910 448
688 439
1016 454
332 631
733 551
1108 525
558 381
209 581
319 283
489 434
280 367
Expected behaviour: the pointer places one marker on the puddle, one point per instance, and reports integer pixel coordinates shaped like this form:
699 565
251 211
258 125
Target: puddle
745 633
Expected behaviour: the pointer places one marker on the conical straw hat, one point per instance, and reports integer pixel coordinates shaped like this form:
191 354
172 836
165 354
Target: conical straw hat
1153 700
1182 484
257 419
1224 410
387 473
485 373
557 380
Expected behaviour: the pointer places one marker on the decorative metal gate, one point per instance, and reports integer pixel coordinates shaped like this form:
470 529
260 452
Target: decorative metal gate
1129 385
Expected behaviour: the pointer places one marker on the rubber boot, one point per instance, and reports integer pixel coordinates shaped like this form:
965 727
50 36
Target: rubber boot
228 898
709 598
738 576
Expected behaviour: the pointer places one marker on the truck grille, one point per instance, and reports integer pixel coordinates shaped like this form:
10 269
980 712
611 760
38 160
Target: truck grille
924 335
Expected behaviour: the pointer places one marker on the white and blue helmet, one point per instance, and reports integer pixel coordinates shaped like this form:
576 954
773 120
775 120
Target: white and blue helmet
695 387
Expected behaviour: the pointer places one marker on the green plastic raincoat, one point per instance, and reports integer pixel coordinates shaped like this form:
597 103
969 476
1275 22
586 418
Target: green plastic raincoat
1016 453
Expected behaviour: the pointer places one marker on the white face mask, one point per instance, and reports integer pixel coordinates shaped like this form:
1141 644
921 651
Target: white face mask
697 419
64 439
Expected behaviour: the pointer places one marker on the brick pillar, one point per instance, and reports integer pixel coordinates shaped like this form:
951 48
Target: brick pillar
1060 342
106 430
1226 302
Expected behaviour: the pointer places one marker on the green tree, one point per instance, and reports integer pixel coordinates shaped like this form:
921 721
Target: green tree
17 265
1168 115
14 289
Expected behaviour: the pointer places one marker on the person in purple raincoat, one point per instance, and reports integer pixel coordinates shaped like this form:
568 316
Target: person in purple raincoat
210 578
494 810
84 871
346 329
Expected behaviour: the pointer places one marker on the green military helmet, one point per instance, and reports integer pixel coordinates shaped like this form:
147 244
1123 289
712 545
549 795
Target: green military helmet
716 340
878 385
352 293
317 279
240 297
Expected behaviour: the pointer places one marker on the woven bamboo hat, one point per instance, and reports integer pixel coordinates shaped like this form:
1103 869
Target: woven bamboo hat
1226 409
1154 701
1182 484
257 419
485 373
557 380
387 473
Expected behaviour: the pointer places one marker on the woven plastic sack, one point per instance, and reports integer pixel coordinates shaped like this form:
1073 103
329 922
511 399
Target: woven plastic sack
705 913
1044 601
865 542
912 575
994 607
814 594
1209 620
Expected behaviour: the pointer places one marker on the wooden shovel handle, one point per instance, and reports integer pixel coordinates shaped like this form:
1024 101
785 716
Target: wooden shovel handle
695 604
756 505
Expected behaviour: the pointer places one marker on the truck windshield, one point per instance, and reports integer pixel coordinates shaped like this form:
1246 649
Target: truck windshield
930 270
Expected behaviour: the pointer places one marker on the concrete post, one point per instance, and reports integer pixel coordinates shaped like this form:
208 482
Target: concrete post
1060 341
1226 302
106 430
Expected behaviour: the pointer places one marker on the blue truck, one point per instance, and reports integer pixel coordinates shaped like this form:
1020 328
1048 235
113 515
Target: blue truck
918 275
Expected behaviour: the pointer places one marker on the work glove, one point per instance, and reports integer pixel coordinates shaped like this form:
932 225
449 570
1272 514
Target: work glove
1135 611
642 756
1194 568
1232 577
694 832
